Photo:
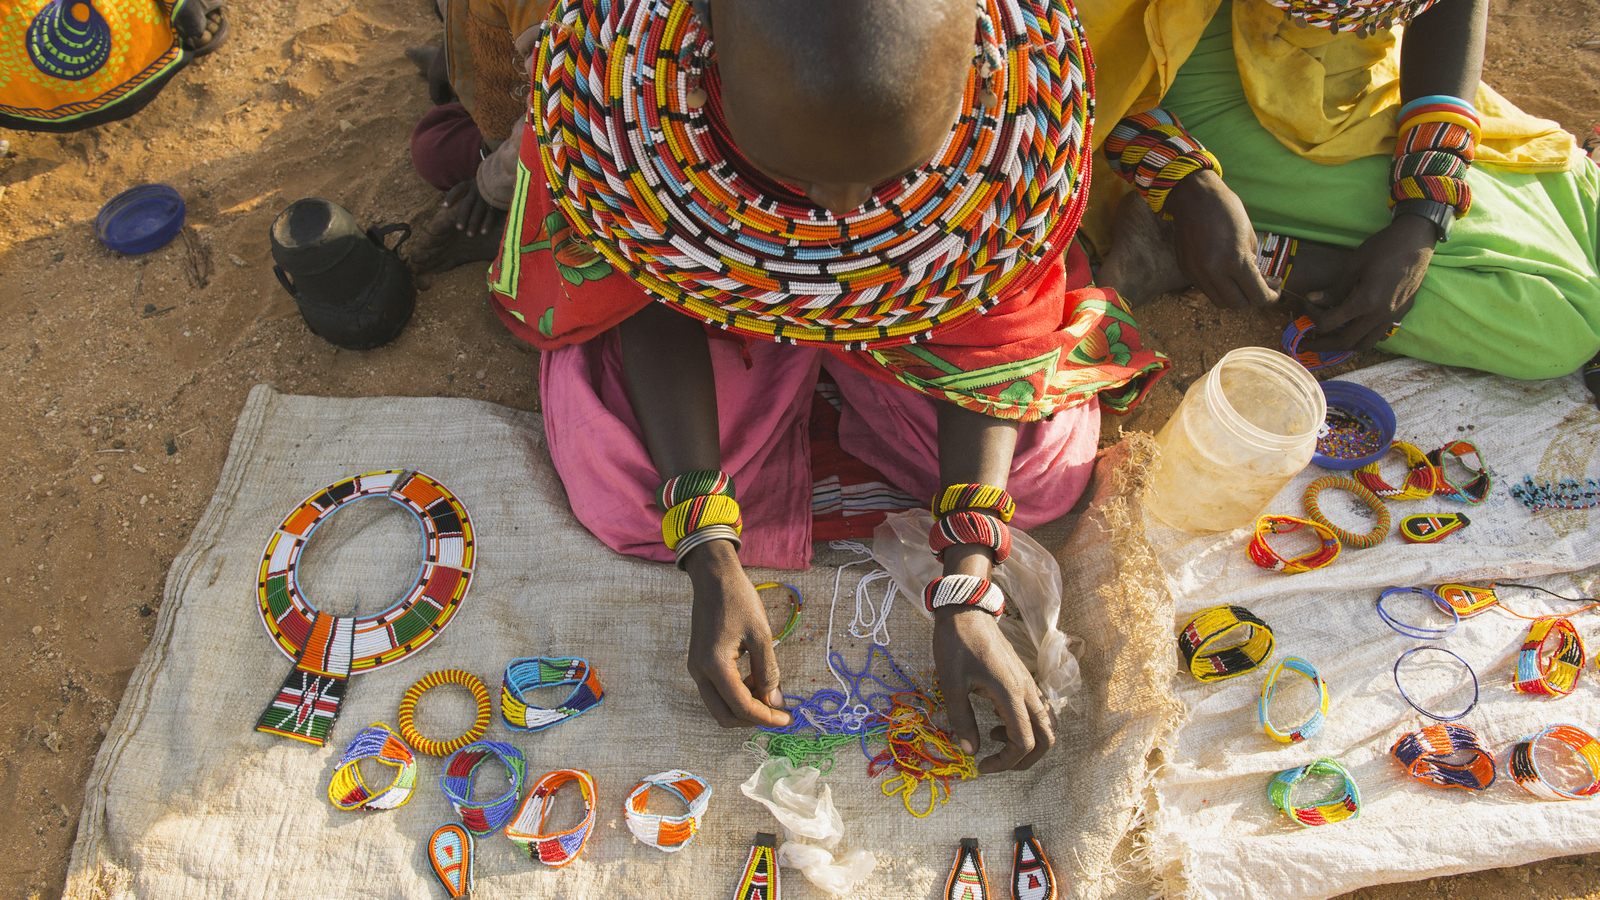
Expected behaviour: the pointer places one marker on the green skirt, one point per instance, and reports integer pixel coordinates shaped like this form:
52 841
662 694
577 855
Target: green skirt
1514 291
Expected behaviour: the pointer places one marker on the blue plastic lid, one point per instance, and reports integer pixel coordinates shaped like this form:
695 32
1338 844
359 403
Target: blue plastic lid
140 219
1361 416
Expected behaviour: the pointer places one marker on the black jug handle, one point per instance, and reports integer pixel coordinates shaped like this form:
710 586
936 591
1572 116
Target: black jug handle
380 233
283 279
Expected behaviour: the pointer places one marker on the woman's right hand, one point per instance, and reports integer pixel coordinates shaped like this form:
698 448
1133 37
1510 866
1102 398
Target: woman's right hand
1215 243
728 621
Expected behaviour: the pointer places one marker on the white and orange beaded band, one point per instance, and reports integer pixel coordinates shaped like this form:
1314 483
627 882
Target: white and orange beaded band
667 833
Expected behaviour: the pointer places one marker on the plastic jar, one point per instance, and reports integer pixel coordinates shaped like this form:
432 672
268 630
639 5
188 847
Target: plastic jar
1242 431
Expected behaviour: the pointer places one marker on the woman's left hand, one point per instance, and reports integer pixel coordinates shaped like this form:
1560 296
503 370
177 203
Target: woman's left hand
1376 290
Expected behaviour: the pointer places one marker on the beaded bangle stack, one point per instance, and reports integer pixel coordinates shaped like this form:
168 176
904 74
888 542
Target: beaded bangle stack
667 833
967 514
1269 689
1152 151
699 508
1264 556
1346 483
347 790
534 672
1338 807
408 709
1447 756
527 828
1438 135
460 776
971 527
1525 766
964 590
1556 676
1199 640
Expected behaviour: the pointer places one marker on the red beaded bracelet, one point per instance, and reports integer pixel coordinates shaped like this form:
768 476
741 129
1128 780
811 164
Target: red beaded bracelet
971 527
1264 556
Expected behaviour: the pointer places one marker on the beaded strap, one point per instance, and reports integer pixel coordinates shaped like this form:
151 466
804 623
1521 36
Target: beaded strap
1431 529
1475 491
1337 808
1198 641
976 497
1275 255
1525 766
964 590
1269 690
1419 483
1152 151
347 790
1420 632
967 879
760 878
1440 717
971 527
667 833
1568 493
460 776
1557 675
1346 483
533 672
453 856
527 828
408 710
689 485
1311 359
1434 755
1264 556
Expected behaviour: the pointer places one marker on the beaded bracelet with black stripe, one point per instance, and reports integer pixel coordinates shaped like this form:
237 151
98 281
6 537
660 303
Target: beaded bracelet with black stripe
1419 483
971 527
957 497
1557 675
1205 630
1153 152
696 513
1475 491
699 483
964 590
1525 766
1446 755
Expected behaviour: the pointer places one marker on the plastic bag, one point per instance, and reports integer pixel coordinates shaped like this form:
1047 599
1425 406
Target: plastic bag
1031 580
812 826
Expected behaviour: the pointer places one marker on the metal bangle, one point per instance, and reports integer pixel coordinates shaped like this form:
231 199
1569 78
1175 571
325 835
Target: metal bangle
706 535
1419 632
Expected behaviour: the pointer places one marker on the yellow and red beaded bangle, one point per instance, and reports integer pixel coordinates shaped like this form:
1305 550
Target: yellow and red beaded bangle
1557 675
1264 556
1200 637
408 709
1419 483
1346 804
1346 483
975 496
698 512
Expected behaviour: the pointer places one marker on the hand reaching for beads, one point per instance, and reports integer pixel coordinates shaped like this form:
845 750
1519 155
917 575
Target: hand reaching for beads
1376 289
973 657
1215 243
728 621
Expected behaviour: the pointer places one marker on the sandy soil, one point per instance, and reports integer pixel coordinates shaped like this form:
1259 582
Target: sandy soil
127 373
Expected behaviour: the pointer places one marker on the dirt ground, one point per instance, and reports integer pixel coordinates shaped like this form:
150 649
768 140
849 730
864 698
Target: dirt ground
127 373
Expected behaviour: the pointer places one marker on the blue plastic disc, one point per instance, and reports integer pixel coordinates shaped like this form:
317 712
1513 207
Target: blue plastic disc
140 219
1353 402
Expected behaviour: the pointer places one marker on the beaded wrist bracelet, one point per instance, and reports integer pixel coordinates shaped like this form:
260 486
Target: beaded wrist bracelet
1558 675
1269 689
964 590
1525 766
1311 359
526 829
460 776
1475 491
699 483
971 527
1420 632
1419 483
1435 755
705 534
408 709
347 790
1264 556
794 613
957 497
1346 483
1275 255
696 513
453 855
533 672
1440 717
1152 151
1436 146
667 833
1199 639
1338 807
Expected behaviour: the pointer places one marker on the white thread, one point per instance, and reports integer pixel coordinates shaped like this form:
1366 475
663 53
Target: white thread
872 620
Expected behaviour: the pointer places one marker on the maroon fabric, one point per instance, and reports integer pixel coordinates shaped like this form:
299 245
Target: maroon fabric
446 146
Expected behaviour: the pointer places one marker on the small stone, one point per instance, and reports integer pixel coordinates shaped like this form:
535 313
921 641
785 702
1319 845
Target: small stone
145 610
52 742
118 444
237 261
149 307
346 125
172 447
37 630
141 470
5 147
143 499
96 478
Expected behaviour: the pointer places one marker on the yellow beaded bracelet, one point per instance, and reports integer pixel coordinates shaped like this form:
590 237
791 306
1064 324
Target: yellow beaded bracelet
698 512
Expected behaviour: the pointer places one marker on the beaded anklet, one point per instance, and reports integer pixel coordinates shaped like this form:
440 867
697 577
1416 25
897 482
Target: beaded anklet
699 483
794 614
667 833
1346 483
534 672
964 590
1525 766
451 851
1264 556
1031 875
460 776
696 513
1420 632
1433 755
1311 359
1475 491
1198 640
1269 689
347 790
526 829
1440 717
760 878
1419 483
967 880
408 711
1567 493
970 527
1557 676
1335 808
977 497
1431 529
1275 256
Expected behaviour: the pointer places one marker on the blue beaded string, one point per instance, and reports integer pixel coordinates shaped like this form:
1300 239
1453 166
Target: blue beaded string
865 708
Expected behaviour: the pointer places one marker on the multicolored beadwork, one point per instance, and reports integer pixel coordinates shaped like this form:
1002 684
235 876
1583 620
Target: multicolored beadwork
1031 875
967 880
1275 255
348 791
1311 359
1475 491
1364 17
1437 144
699 483
1432 528
1269 690
1467 600
1419 483
700 512
1568 493
958 497
667 833
1525 766
1346 483
644 176
527 828
964 590
408 711
1264 556
1434 755
534 672
327 649
970 527
1556 676
1198 641
1339 807
459 781
1152 151
760 878
794 612
452 854
1347 435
